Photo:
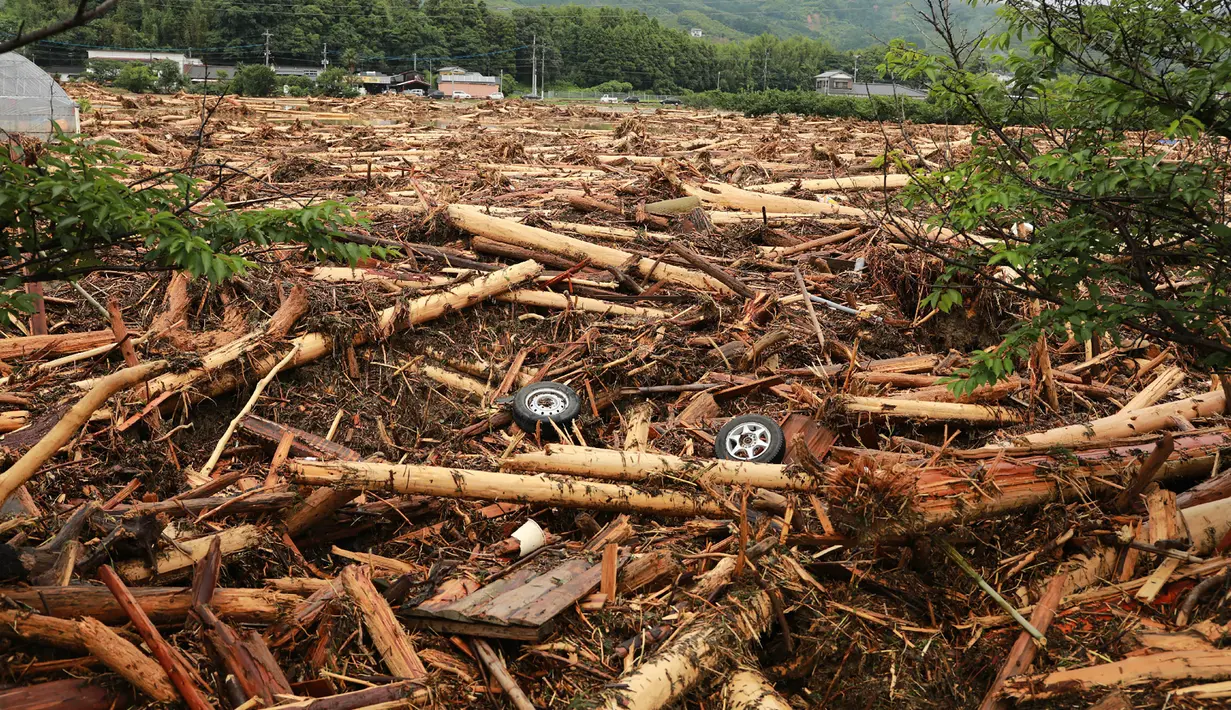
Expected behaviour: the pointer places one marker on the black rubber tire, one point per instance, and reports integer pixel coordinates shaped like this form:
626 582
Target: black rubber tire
529 420
774 451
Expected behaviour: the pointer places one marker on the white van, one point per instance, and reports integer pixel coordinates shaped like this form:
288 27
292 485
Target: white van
460 95
609 99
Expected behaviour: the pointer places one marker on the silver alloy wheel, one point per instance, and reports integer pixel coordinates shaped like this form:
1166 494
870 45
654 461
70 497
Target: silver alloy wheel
547 402
748 441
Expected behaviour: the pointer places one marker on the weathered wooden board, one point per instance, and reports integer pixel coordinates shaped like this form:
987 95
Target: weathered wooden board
545 608
498 611
462 609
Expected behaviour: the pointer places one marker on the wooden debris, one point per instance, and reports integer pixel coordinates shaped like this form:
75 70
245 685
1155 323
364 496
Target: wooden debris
380 482
394 643
680 664
484 485
749 690
1171 665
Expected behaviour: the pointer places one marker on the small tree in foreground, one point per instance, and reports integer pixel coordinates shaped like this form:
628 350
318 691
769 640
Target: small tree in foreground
1120 172
67 212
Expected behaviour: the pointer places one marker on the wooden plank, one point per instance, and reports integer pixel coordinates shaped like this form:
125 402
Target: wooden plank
463 609
700 408
545 607
474 628
305 443
740 390
450 592
1157 580
1165 522
515 599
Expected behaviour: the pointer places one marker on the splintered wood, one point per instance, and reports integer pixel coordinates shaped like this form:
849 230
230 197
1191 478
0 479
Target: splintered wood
304 488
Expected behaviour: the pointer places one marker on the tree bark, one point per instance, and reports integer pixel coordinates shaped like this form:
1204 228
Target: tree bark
677 667
394 644
945 411
75 418
484 485
749 690
126 659
185 554
165 605
473 220
162 651
1132 423
860 182
637 466
313 346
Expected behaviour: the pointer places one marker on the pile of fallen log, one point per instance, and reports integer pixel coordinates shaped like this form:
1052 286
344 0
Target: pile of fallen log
303 488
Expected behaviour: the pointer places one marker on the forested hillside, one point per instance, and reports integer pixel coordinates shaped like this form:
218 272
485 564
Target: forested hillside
845 24
582 46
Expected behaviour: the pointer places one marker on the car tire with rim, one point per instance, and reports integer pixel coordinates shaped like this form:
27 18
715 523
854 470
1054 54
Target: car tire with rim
543 403
752 438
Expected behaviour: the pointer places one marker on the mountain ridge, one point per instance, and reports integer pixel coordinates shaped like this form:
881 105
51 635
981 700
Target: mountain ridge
845 24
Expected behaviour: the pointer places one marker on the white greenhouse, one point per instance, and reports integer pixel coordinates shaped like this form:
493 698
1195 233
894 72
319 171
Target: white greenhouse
30 100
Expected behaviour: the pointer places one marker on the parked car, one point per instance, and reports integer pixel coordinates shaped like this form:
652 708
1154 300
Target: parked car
671 102
436 94
609 99
461 95
532 97
497 95
632 100
415 92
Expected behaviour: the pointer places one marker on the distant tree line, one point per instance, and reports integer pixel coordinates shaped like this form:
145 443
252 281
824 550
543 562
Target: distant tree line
165 77
574 46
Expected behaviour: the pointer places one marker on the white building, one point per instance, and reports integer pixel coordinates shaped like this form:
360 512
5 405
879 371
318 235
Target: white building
696 32
127 55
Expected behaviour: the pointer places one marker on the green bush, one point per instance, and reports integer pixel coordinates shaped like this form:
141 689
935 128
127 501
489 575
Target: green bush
254 80
297 86
137 78
336 82
103 71
811 103
170 77
612 87
68 210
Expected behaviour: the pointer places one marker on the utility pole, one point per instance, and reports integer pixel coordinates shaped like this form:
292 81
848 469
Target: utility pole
543 60
856 77
765 72
718 85
267 36
534 66
325 58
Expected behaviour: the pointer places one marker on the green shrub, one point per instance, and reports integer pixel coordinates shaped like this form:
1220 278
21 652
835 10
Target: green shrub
69 210
336 82
103 71
137 78
254 80
297 86
170 77
612 87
